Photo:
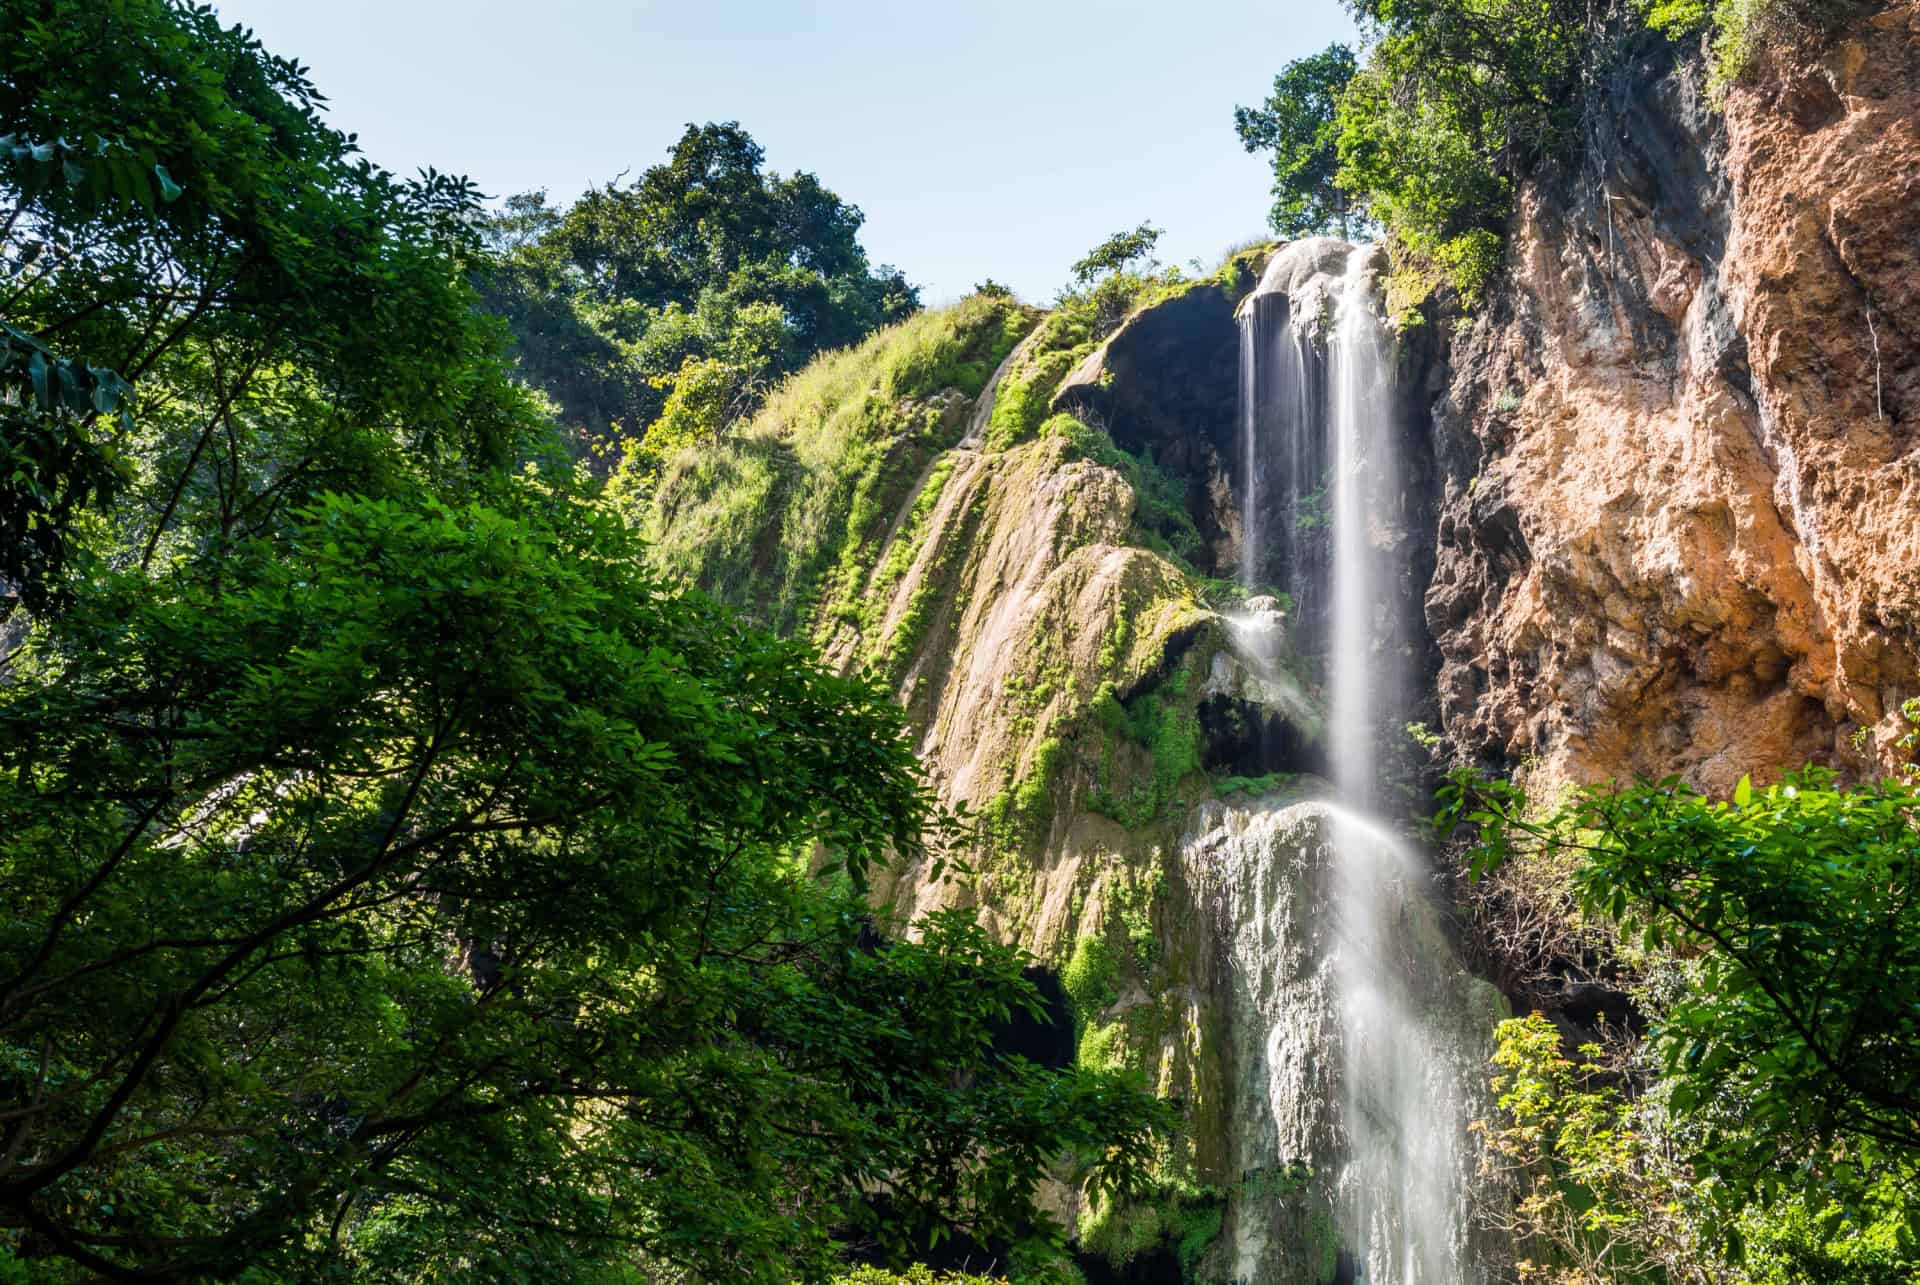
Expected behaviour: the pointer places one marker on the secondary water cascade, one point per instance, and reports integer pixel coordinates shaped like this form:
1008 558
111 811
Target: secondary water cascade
1359 1039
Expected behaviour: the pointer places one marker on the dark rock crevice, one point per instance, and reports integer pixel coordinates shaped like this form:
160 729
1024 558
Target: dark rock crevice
1163 387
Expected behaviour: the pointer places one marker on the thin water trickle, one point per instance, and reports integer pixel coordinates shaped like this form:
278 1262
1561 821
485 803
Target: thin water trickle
1249 410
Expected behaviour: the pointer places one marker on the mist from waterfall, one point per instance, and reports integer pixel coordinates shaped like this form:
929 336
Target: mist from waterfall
1323 500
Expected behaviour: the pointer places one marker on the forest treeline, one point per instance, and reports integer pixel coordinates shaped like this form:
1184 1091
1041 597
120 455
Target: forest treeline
655 313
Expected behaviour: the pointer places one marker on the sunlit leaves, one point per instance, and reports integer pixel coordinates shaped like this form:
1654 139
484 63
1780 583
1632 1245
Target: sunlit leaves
1299 124
106 172
456 812
1797 1036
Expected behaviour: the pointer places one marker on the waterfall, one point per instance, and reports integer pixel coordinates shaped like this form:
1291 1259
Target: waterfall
1359 1037
1359 678
1281 456
1400 1194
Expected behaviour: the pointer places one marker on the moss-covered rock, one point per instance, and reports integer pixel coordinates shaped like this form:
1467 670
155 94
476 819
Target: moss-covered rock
1035 589
783 518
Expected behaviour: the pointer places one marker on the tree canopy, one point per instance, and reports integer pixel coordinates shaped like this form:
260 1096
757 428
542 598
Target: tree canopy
1457 101
439 849
176 213
403 883
678 297
1299 124
1116 253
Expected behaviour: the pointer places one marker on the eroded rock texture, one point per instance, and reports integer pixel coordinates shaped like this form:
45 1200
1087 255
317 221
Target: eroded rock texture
1681 524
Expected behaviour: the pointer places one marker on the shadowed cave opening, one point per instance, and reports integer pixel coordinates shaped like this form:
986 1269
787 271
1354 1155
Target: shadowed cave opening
1241 738
1046 1040
1156 1266
1167 392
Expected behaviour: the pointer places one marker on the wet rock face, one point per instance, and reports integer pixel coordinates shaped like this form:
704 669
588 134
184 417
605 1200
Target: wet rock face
1312 1058
1679 527
1164 385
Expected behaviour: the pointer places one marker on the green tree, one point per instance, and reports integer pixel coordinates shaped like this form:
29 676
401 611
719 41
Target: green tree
209 291
613 297
1299 124
1792 1050
1458 100
430 895
1116 253
402 884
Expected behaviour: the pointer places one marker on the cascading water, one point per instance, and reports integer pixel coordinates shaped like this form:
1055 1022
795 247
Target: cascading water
1400 1193
1360 674
1359 1038
1280 400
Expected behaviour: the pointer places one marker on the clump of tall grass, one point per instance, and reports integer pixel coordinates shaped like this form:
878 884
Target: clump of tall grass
760 518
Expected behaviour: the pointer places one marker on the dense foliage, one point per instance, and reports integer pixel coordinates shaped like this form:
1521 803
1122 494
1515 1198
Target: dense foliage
1299 124
188 193
662 310
1458 100
1779 937
403 882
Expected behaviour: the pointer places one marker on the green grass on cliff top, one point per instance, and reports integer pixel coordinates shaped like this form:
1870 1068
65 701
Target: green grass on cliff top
760 519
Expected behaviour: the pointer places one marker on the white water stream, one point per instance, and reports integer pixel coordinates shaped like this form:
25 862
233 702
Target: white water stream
1361 1038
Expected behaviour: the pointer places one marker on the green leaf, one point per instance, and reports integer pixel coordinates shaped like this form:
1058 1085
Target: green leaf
38 371
169 190
1743 792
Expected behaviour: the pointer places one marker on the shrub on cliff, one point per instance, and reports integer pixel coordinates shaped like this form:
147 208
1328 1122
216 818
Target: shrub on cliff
1780 935
1742 29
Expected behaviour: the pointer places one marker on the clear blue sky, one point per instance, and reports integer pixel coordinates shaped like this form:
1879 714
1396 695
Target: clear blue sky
981 137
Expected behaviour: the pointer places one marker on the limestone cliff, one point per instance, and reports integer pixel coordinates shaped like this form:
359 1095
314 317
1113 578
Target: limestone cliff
1680 530
1040 596
1038 562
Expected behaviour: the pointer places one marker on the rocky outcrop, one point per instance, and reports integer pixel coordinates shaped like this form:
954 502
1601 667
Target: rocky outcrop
1302 1087
1660 501
1163 385
1079 685
1680 529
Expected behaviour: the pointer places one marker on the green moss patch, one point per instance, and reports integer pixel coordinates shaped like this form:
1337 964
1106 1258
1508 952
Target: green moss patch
1161 520
1163 723
1091 978
784 518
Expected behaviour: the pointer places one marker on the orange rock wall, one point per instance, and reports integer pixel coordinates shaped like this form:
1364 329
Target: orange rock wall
1681 531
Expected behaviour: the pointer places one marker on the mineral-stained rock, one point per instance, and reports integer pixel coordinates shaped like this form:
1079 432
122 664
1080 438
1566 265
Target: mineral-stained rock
1273 879
1681 526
